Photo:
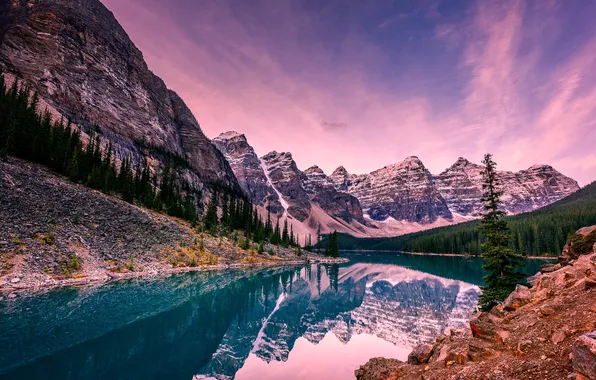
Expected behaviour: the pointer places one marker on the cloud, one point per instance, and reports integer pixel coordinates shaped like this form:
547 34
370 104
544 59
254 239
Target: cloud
291 77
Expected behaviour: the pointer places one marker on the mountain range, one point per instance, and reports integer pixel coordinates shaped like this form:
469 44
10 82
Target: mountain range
85 69
396 199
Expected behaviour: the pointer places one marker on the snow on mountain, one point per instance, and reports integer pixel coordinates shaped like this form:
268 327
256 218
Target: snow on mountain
404 191
397 199
524 191
249 171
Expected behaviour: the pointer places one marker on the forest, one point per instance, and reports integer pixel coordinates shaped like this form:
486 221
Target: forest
542 232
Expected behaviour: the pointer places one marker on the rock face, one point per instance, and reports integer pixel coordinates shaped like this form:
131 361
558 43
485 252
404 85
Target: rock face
287 179
524 191
404 191
249 170
336 203
274 181
584 355
86 69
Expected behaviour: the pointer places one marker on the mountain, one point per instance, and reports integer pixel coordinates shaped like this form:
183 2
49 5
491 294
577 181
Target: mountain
524 191
404 191
541 232
307 199
85 69
394 200
249 171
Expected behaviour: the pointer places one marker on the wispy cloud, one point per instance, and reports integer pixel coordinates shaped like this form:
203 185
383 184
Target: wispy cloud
363 86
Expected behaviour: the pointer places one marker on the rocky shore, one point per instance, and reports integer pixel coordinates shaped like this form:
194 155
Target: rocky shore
55 233
544 331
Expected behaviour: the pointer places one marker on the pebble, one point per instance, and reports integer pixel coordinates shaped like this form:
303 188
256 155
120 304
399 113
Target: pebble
12 295
543 357
14 280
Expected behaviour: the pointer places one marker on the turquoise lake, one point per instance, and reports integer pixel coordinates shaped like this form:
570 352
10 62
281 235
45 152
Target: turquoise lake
316 321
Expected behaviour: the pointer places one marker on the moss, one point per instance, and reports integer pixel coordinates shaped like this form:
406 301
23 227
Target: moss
582 245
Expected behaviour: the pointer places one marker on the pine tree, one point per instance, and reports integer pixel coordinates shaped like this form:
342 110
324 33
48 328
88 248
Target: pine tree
210 222
500 261
285 238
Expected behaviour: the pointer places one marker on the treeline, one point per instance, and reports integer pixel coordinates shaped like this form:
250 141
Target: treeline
33 136
240 215
543 232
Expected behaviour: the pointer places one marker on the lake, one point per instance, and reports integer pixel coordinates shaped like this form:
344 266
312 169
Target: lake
317 321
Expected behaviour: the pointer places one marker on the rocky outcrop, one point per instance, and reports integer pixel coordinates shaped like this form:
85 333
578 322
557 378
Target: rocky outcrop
287 179
546 331
580 243
584 356
249 170
335 203
524 191
85 68
404 191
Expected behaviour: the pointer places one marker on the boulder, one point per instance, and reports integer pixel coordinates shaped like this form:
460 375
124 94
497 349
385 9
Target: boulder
477 351
458 354
580 243
548 268
483 327
519 297
421 354
532 280
379 368
584 355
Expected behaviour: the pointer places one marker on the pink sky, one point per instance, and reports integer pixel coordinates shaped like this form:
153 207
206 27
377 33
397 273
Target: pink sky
363 86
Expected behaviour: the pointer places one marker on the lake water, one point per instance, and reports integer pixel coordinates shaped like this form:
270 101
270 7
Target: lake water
319 321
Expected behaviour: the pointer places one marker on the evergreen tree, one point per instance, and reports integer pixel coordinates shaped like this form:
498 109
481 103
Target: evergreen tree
210 222
285 238
500 261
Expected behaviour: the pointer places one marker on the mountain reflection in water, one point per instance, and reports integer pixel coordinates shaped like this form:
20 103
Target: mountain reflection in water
293 322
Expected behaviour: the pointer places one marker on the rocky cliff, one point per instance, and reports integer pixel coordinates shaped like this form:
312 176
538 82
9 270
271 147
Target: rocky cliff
85 68
524 191
249 171
404 191
274 181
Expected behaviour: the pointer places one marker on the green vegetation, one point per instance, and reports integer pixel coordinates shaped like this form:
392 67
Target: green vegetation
332 249
582 245
543 232
501 263
29 135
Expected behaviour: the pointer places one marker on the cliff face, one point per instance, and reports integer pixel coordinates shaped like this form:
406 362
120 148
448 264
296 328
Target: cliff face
404 191
524 191
85 68
249 170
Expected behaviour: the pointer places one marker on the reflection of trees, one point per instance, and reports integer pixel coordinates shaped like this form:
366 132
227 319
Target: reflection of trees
333 275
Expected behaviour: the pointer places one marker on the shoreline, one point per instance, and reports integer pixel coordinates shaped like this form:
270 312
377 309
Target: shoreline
438 254
10 290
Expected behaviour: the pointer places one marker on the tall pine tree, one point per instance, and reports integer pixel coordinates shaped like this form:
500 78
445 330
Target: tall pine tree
500 261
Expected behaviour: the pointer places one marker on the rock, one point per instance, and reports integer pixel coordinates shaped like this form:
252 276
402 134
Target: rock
584 355
477 351
459 354
12 295
542 294
483 328
546 310
15 280
519 297
532 280
421 354
558 336
524 345
589 283
548 268
379 369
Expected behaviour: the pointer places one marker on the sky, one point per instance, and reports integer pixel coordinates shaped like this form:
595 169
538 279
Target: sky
365 84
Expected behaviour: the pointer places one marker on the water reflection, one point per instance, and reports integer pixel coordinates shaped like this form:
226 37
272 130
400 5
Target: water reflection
320 320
